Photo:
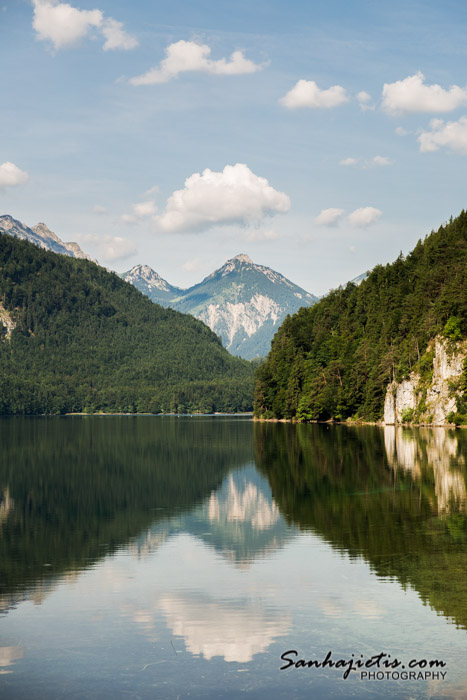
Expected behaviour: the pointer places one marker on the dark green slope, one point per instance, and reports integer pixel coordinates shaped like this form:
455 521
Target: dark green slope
335 359
85 340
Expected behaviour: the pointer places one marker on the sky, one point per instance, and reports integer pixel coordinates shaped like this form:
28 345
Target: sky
318 138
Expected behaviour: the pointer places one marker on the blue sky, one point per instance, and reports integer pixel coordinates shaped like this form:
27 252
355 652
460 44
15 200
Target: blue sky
318 138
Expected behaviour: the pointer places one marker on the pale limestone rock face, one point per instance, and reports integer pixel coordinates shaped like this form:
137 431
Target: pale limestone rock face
399 398
7 325
448 365
228 319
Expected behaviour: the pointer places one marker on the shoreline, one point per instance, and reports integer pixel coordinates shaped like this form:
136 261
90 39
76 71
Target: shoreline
349 422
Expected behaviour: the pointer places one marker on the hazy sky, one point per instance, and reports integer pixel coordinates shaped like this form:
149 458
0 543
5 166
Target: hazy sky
318 138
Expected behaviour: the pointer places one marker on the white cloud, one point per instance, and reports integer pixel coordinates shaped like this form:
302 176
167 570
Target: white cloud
400 131
144 209
352 249
453 135
381 161
234 196
306 93
413 95
141 210
348 161
152 191
364 98
116 37
99 210
329 217
11 175
188 56
364 216
110 248
64 26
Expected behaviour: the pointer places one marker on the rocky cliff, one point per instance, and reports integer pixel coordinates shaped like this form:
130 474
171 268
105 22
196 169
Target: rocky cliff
432 396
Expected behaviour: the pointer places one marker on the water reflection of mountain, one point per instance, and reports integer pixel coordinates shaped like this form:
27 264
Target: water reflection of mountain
239 519
75 489
396 499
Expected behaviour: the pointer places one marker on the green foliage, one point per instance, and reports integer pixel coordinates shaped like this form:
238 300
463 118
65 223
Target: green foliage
452 329
87 341
407 415
335 359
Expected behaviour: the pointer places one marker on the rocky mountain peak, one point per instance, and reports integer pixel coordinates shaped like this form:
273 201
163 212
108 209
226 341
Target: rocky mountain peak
242 257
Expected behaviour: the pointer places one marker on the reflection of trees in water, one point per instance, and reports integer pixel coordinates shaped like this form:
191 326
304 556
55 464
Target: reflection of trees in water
75 489
430 448
345 483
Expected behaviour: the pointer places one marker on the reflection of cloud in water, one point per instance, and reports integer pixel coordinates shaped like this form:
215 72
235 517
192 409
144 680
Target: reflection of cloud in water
212 628
366 608
436 448
246 505
8 655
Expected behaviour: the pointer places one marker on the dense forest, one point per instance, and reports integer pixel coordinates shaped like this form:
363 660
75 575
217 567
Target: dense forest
335 359
86 341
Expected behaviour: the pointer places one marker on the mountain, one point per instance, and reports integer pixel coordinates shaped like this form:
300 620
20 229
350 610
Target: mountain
241 302
336 360
152 285
41 236
76 337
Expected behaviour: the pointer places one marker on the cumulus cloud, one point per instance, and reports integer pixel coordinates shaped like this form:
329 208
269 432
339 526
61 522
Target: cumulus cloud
116 37
348 161
400 131
11 175
364 99
144 209
189 56
413 95
141 210
110 248
381 161
364 216
64 26
234 196
329 217
453 135
306 93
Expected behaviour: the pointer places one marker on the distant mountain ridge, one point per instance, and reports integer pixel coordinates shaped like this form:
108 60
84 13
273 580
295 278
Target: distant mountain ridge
242 302
41 236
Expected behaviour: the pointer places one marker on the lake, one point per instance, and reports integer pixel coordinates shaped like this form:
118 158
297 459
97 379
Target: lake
181 557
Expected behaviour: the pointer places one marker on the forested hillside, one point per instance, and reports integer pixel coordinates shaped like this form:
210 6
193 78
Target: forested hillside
335 359
78 338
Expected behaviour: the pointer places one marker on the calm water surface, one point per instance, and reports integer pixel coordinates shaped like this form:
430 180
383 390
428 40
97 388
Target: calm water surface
165 557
